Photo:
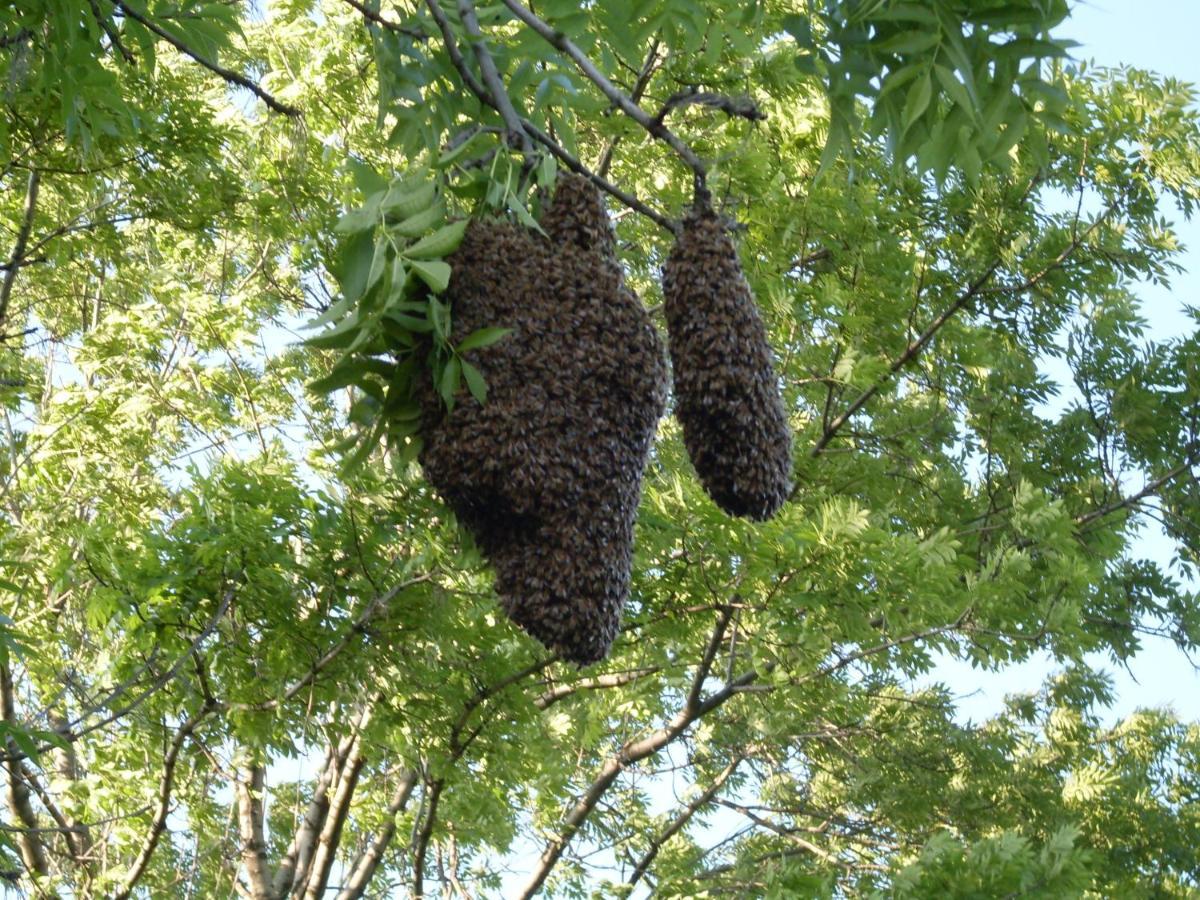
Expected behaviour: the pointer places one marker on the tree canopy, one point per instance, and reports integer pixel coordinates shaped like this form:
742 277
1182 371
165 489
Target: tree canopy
247 650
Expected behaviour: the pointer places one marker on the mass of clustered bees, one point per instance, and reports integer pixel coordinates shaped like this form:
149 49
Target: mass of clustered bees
547 473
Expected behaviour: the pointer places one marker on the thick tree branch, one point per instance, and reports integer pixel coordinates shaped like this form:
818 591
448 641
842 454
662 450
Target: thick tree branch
18 253
433 793
335 819
251 782
517 136
485 96
219 70
294 865
363 869
680 821
29 842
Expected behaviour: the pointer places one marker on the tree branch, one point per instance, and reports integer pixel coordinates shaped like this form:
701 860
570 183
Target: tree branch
639 88
517 136
681 820
632 752
166 784
293 867
1133 499
598 682
433 793
18 253
358 627
363 868
563 44
485 96
33 853
909 354
371 15
335 819
227 74
250 784
734 107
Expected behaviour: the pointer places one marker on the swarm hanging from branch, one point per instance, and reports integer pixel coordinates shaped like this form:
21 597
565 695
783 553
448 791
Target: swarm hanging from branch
547 473
726 393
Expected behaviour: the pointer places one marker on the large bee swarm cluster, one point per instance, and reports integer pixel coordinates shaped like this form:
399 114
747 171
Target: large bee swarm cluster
547 473
726 393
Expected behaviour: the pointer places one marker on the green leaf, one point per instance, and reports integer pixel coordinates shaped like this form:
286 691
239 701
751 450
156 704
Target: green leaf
475 381
421 222
403 200
436 274
483 337
438 245
918 100
449 381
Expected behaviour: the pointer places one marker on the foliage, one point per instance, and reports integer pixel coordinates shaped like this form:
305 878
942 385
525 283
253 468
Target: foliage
229 660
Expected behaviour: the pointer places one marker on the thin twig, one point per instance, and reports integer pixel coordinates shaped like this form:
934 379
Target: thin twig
165 787
227 74
563 44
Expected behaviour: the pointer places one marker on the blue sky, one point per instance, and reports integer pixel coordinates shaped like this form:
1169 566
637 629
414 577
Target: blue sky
1159 35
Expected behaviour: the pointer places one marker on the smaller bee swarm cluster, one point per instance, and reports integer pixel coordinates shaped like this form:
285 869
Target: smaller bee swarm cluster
547 473
726 392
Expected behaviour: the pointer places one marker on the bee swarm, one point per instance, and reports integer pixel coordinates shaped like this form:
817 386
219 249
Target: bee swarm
726 393
547 473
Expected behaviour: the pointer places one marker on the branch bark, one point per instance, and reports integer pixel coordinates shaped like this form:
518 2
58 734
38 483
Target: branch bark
364 867
633 752
251 782
335 819
33 853
517 136
18 253
910 353
563 44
